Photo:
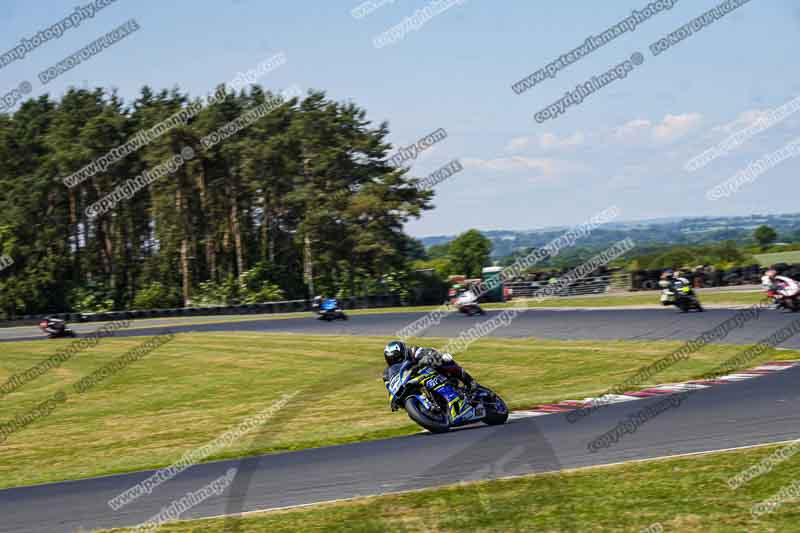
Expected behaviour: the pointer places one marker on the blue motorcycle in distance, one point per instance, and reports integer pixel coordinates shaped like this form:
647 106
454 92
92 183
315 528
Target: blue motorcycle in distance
437 403
328 309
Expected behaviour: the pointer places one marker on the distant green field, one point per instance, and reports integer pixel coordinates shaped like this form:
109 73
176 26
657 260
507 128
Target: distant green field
780 257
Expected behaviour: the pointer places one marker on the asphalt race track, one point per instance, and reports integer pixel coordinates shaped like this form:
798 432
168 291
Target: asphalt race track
605 324
757 411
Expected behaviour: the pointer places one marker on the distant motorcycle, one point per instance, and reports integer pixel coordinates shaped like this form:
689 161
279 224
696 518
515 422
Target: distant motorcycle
55 328
436 402
329 310
790 303
684 298
467 303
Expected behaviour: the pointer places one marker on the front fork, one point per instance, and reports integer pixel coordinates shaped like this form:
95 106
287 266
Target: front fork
431 399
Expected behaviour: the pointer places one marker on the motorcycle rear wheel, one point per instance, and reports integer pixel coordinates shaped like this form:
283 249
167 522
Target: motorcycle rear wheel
422 417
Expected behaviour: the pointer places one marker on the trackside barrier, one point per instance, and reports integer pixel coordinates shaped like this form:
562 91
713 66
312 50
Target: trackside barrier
288 306
618 281
647 280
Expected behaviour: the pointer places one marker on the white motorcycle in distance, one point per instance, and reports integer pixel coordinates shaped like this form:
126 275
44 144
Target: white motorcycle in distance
467 303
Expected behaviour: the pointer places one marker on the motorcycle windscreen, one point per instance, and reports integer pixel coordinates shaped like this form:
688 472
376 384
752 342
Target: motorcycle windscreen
394 378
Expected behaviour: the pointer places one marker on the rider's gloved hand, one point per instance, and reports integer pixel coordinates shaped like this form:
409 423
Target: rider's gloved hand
428 357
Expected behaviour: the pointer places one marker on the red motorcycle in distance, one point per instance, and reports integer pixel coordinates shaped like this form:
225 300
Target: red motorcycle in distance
55 328
776 286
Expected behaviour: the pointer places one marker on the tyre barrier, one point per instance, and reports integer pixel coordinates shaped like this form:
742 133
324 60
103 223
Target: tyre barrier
749 275
290 306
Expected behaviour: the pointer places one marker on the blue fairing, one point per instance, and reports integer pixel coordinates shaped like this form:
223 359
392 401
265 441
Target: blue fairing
399 375
329 305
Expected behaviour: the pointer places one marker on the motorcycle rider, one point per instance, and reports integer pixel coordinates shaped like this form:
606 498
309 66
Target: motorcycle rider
676 280
786 287
54 326
465 297
467 301
397 351
679 291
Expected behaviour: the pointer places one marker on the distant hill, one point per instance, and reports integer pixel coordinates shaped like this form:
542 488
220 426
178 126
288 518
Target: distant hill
694 230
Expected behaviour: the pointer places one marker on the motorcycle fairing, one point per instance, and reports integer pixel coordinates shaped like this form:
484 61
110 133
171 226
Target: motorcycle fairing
459 411
329 305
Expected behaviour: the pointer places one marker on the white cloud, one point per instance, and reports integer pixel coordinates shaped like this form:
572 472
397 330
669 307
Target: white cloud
670 128
631 128
546 141
542 167
675 126
518 143
744 120
552 141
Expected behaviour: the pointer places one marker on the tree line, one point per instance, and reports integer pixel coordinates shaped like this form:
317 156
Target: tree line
300 201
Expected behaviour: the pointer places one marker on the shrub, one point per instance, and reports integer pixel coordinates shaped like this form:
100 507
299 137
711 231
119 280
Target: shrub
157 296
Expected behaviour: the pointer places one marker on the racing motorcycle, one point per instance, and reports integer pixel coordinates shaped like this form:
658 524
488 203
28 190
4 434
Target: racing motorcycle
328 310
683 298
784 302
55 328
438 403
467 303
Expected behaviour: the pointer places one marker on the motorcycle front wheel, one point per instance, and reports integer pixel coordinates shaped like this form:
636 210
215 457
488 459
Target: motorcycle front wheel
430 421
496 412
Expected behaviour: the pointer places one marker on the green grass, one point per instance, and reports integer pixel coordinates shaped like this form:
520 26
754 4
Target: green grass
792 257
200 385
686 494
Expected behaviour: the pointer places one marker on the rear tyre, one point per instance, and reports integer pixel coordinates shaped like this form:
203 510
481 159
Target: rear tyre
425 418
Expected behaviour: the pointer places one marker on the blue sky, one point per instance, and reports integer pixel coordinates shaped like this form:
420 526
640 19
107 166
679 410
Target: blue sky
625 145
